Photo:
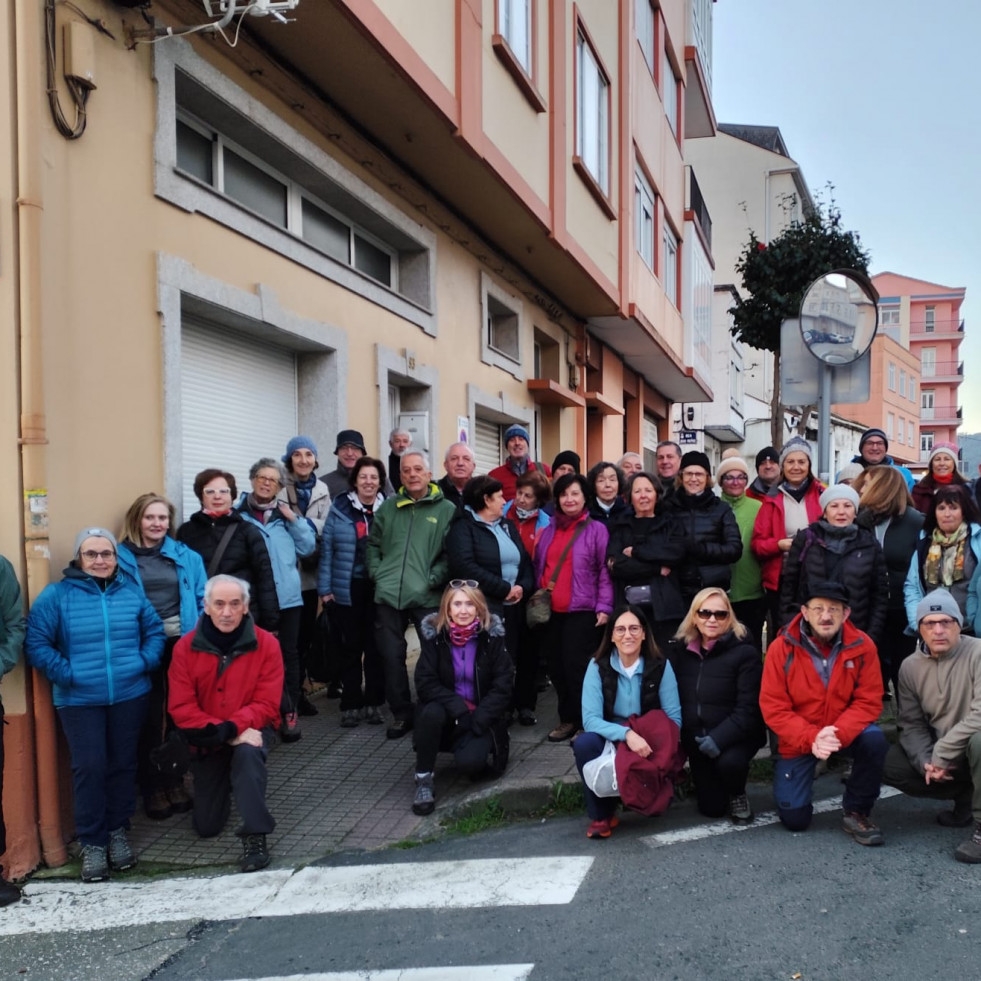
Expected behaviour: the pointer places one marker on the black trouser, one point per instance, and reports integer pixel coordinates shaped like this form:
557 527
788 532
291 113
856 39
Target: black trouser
719 779
390 628
308 627
435 729
227 771
289 633
894 647
355 625
3 827
898 772
571 639
752 615
158 723
524 655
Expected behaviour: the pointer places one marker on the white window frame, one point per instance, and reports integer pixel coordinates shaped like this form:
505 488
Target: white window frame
926 442
645 219
495 301
929 320
889 316
669 94
645 28
890 424
892 377
592 113
515 26
900 430
670 260
928 363
902 382
912 389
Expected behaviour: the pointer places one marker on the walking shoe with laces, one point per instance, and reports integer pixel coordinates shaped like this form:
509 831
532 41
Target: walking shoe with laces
961 815
526 717
121 856
289 731
562 732
424 801
95 864
602 828
862 829
158 806
255 855
371 715
970 851
349 718
739 810
180 799
398 728
305 707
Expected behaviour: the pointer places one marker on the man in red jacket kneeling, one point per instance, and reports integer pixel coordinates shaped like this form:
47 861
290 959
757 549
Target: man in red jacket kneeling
226 679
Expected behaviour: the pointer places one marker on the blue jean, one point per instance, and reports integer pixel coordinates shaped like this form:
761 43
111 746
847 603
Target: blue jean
102 741
793 780
587 746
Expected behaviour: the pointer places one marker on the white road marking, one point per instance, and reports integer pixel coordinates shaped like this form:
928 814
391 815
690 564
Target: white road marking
484 972
700 831
50 907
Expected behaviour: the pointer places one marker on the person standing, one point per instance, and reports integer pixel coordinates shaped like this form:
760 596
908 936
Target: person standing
459 464
941 472
767 473
873 451
518 444
11 637
407 562
399 440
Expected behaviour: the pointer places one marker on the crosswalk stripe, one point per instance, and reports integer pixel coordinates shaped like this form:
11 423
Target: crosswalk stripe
698 832
482 972
50 907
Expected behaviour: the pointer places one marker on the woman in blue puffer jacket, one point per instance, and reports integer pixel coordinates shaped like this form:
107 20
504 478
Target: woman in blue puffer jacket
97 638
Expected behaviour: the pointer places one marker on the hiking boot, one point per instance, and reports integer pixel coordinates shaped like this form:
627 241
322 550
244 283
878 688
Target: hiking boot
863 830
960 816
562 732
8 893
424 801
398 728
121 856
349 718
739 810
305 707
970 851
180 799
526 717
255 855
157 806
95 864
289 731
371 715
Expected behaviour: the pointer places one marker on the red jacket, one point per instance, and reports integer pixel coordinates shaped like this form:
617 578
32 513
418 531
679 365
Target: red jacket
245 692
771 526
509 478
794 701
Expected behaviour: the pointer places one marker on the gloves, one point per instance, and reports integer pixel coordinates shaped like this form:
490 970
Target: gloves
707 746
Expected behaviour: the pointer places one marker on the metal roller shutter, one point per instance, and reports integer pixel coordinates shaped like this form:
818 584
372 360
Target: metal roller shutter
238 403
486 445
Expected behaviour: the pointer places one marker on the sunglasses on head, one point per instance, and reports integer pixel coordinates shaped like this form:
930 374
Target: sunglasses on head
708 614
460 583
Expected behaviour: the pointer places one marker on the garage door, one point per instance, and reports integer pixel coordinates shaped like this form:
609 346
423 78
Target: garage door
486 445
238 403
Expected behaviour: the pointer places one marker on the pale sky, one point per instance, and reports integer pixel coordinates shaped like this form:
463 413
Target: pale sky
880 98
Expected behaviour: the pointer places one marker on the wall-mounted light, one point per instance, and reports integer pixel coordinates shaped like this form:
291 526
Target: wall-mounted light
690 413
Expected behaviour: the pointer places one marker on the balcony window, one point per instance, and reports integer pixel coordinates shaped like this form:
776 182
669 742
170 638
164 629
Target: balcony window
669 278
515 27
669 94
645 214
592 114
929 319
926 443
889 316
928 362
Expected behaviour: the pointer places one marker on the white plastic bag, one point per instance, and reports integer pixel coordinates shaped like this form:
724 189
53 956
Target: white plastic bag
600 774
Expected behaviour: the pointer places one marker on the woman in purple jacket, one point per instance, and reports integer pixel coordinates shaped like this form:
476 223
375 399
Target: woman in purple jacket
582 596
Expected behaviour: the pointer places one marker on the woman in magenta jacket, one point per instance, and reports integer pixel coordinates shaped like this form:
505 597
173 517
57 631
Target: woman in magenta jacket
582 598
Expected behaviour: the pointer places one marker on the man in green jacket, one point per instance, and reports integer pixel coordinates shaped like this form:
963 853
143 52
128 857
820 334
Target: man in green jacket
408 566
11 639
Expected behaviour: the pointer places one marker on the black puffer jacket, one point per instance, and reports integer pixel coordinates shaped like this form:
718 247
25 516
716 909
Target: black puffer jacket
720 693
245 558
711 539
620 507
898 547
474 553
655 542
860 567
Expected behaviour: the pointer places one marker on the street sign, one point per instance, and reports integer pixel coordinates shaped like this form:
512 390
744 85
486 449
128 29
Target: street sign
687 436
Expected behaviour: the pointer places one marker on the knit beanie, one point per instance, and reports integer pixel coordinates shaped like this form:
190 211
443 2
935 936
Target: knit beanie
796 445
733 463
767 453
838 492
939 601
696 458
517 430
949 448
299 443
868 434
849 472
567 457
93 533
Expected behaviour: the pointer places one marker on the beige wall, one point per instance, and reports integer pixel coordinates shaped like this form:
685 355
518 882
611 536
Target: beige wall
430 28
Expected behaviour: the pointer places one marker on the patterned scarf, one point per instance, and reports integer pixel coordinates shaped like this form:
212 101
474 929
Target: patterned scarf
945 557
460 635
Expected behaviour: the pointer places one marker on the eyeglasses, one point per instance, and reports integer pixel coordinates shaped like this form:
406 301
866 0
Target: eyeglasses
630 628
460 583
873 442
92 555
737 478
944 623
834 611
216 492
692 474
709 614
266 480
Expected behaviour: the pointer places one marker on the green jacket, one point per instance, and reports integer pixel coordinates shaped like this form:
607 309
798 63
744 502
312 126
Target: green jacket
11 617
747 579
405 556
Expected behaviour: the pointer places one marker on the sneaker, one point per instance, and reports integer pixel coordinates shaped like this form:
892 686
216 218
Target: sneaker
398 728
424 801
305 707
157 806
970 851
739 810
371 715
960 816
95 863
180 799
8 893
562 732
121 856
526 717
289 731
864 831
349 718
255 855
602 828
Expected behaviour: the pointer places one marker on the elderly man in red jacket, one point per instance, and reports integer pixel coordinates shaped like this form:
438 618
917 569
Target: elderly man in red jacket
226 679
821 694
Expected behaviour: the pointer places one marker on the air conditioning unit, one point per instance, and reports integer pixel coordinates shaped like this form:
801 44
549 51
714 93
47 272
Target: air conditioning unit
258 8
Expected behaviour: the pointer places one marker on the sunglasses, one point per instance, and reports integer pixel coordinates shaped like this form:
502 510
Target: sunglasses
709 614
460 583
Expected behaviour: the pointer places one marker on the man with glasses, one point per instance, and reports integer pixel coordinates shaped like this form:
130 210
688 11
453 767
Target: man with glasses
939 750
873 450
821 694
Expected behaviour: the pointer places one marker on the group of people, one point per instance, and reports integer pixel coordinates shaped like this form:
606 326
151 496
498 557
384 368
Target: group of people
644 595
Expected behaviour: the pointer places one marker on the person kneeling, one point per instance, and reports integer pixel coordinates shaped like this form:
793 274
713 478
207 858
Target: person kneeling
464 680
226 680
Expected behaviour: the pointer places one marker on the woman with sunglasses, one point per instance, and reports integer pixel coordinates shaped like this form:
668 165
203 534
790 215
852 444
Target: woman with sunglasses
627 676
96 637
464 680
718 670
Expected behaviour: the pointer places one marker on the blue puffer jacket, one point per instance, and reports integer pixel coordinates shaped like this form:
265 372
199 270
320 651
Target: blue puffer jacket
285 542
338 549
96 648
191 577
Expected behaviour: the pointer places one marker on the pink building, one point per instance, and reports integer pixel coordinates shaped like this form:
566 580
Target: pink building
926 318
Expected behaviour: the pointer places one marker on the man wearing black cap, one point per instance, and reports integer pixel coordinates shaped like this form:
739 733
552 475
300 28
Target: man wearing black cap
821 694
767 473
939 750
873 450
350 448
